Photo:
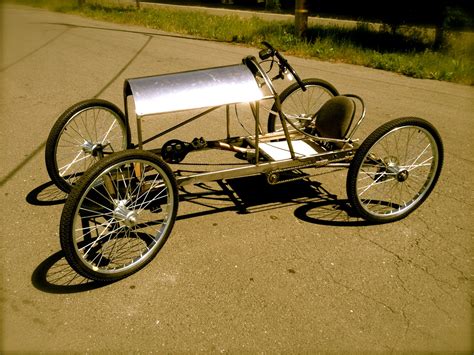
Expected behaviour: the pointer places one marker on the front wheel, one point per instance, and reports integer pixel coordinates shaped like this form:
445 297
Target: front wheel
300 106
83 134
119 215
395 169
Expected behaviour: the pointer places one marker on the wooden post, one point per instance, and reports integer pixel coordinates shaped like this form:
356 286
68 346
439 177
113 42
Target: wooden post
301 18
138 3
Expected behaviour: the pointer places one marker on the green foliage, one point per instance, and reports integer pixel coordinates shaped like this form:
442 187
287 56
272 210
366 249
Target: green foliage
407 51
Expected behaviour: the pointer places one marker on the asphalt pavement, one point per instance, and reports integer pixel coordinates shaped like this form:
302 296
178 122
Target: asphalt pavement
285 269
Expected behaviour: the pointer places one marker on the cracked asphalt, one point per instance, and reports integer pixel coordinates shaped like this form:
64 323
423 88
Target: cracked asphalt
248 267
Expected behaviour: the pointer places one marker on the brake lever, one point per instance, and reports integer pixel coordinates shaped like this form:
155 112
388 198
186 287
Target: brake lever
279 76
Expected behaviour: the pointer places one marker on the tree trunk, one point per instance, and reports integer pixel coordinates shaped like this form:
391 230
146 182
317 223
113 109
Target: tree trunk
440 38
301 18
138 3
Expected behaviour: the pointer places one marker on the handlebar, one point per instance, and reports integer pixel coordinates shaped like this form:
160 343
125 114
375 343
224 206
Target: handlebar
266 53
269 51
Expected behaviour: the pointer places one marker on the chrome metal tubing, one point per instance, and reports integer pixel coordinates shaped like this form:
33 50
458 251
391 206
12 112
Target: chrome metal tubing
267 167
189 120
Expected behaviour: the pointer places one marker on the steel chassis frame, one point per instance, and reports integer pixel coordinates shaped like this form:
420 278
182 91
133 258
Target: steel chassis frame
335 158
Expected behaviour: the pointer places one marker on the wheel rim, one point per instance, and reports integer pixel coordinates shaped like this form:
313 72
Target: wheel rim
300 106
124 217
397 172
89 135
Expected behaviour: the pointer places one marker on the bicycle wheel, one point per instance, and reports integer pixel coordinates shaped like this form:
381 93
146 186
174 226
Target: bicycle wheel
300 106
395 169
82 135
119 215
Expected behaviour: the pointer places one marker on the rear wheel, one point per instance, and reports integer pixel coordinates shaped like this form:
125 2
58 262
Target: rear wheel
395 169
81 136
119 215
300 106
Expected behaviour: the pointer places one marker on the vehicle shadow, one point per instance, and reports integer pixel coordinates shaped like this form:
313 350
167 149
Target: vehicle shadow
252 194
46 194
54 275
311 201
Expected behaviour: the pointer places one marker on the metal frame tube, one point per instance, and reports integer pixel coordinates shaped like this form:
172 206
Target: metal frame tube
180 124
267 167
227 116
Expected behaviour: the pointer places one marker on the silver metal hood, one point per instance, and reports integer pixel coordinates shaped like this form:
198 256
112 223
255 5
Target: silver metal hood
193 89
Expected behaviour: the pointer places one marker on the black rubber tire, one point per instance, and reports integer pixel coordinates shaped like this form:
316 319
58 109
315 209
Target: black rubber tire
58 131
400 180
295 88
90 221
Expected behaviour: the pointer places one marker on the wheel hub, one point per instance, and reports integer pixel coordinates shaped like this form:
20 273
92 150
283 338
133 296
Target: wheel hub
390 170
94 149
393 169
402 175
124 215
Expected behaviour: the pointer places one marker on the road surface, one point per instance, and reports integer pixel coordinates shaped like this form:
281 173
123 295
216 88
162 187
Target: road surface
286 269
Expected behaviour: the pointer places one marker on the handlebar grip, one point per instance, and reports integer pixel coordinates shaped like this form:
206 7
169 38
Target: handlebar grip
265 54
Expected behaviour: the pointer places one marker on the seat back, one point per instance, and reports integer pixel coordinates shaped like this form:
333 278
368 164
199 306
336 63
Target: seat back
334 118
